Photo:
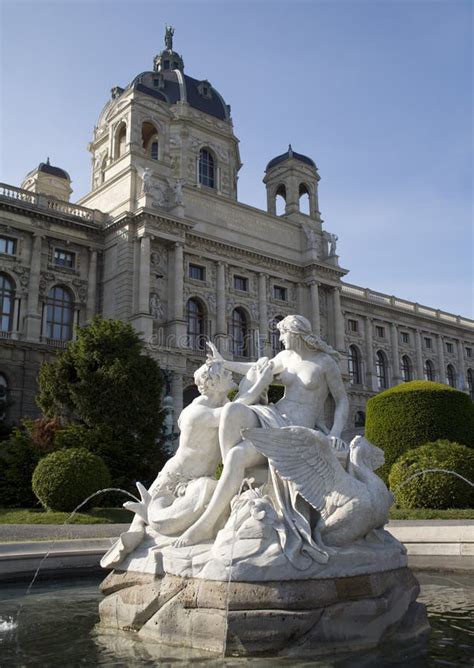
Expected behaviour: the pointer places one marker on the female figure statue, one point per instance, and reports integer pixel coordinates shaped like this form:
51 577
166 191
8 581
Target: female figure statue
309 371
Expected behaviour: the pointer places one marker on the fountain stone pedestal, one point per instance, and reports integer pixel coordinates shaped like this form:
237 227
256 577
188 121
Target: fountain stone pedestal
286 618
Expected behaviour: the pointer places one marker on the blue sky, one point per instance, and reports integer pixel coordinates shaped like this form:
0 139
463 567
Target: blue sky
377 92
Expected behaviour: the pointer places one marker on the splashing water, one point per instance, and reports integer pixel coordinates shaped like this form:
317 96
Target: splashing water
65 523
248 482
7 624
434 470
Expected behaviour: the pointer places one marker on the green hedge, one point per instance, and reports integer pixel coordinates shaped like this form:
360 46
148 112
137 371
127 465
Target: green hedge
411 414
434 489
65 478
18 460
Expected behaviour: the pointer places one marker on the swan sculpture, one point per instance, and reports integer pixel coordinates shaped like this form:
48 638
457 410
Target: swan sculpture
350 503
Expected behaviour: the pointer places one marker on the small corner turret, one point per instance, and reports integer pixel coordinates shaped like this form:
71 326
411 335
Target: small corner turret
293 177
49 180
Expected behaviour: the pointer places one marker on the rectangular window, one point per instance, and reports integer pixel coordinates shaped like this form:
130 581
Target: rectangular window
7 245
427 343
449 347
380 331
241 283
353 325
469 352
280 293
197 272
63 258
405 337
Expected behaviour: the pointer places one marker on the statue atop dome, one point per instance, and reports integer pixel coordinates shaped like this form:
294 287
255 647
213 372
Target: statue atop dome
169 32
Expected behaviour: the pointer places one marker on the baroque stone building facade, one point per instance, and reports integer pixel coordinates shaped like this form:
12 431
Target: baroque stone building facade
161 241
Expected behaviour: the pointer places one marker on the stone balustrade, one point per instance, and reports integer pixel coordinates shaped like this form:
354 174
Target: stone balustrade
52 204
379 297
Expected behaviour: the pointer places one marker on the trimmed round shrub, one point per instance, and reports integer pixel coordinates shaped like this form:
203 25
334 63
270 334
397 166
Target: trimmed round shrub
434 489
410 414
65 478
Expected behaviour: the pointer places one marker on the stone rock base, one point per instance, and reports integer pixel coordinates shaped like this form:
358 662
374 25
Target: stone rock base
290 618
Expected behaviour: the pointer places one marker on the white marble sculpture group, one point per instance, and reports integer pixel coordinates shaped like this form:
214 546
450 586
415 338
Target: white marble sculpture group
293 500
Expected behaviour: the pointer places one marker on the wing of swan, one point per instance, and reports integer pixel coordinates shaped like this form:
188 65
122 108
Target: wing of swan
307 458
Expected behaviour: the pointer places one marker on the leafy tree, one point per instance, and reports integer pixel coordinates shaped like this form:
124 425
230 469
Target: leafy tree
108 393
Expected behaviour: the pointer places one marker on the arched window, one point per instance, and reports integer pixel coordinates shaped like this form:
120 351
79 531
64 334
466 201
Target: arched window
429 370
7 303
359 419
277 345
150 140
207 169
470 383
353 363
195 319
120 140
304 202
406 369
59 314
239 333
451 375
280 200
381 368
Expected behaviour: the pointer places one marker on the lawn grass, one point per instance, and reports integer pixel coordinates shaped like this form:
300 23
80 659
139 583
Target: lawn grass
430 514
40 516
122 516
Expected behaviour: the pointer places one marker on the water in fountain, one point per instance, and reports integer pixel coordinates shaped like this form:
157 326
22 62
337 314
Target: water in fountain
66 522
9 624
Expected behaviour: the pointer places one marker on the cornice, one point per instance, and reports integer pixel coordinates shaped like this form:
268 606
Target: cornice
49 217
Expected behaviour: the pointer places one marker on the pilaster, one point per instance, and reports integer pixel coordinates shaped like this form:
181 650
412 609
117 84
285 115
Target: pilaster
33 318
396 378
92 286
315 312
338 319
419 355
441 363
371 378
462 372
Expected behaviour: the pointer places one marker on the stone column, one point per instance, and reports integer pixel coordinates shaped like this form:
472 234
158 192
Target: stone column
262 308
419 355
14 327
441 363
371 379
92 286
220 299
177 393
396 357
315 313
338 320
222 339
300 298
144 276
33 318
461 371
178 282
